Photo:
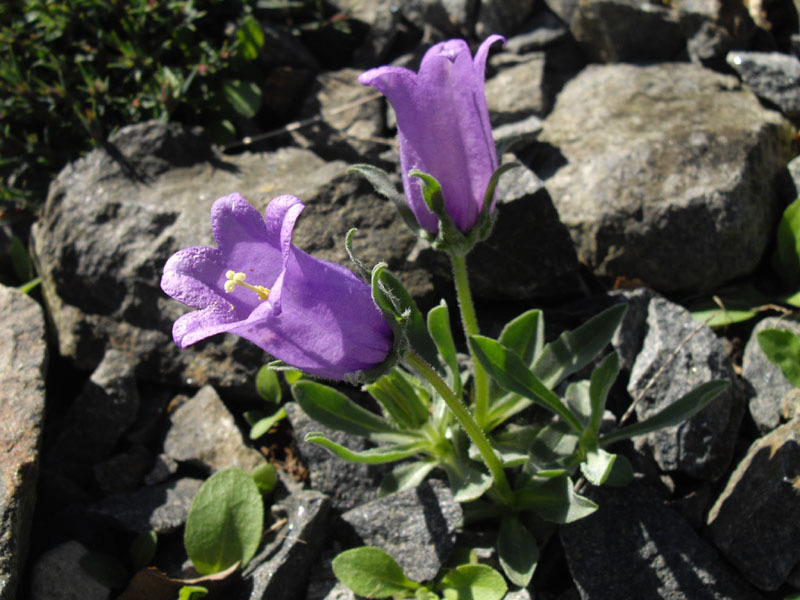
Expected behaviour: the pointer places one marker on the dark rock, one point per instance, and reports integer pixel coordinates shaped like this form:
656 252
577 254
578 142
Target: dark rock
517 90
661 176
679 354
123 472
23 366
161 508
629 337
279 571
713 28
448 18
383 18
57 575
502 16
635 546
204 434
518 133
775 400
416 527
755 522
104 410
542 30
773 76
347 484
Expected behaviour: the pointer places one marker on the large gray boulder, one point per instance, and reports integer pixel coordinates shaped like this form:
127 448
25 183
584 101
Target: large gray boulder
664 172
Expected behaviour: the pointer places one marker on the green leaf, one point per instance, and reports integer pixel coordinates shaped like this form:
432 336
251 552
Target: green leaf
335 410
733 304
603 377
373 456
142 550
467 482
787 252
268 386
250 38
579 402
28 286
225 522
621 472
507 368
554 499
517 551
575 349
473 582
675 413
405 476
20 260
192 592
439 328
525 335
105 568
598 466
782 348
243 96
554 446
266 477
370 572
383 185
263 425
400 399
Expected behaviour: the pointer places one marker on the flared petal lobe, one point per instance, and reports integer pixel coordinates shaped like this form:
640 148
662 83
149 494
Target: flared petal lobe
316 315
443 128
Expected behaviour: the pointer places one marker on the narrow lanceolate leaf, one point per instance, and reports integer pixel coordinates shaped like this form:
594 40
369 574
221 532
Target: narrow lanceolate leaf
373 456
225 522
439 328
243 96
675 413
370 572
507 368
575 349
335 410
598 466
473 582
782 348
405 477
525 335
603 378
517 550
554 499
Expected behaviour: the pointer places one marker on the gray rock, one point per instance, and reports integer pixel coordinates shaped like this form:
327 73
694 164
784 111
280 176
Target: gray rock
713 28
447 18
162 508
773 76
517 91
629 337
416 527
123 472
204 434
502 16
755 522
662 176
279 571
635 546
382 17
518 133
23 366
679 354
542 30
775 399
347 484
102 412
57 575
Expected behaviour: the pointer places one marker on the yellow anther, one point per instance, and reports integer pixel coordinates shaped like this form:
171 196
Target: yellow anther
235 279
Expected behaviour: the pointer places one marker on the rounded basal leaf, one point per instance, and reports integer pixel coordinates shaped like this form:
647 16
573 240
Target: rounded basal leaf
372 573
473 582
265 477
225 522
782 348
267 385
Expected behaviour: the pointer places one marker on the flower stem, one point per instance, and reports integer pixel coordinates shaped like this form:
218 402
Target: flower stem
470 323
468 423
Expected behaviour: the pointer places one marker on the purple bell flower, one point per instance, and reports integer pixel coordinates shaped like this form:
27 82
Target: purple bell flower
312 314
443 128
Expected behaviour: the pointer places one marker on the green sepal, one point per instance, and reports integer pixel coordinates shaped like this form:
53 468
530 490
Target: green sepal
507 368
361 267
335 410
517 551
373 456
554 499
677 412
405 476
383 185
575 349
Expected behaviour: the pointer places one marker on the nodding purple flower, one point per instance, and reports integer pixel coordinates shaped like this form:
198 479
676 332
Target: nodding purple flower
312 314
443 128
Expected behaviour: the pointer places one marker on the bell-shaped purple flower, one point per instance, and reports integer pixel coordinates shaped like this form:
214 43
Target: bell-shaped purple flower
443 128
312 314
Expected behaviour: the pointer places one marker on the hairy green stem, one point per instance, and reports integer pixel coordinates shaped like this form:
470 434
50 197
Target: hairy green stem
465 419
470 323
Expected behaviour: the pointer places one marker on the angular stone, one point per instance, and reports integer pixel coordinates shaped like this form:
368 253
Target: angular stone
23 367
502 16
678 355
663 173
279 571
58 575
775 400
162 508
517 91
773 76
635 546
204 434
755 522
416 527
